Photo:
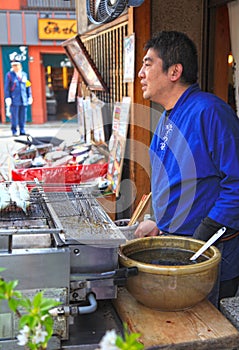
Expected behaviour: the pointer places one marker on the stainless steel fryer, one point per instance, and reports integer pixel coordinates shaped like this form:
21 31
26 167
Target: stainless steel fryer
67 246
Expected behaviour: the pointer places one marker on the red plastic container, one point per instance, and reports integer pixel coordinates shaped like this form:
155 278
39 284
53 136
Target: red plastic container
63 175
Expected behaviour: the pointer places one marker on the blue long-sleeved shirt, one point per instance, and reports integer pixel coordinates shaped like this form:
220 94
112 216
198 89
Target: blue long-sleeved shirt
195 167
17 88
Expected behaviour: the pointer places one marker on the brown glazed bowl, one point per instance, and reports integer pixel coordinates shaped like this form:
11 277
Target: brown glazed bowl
167 287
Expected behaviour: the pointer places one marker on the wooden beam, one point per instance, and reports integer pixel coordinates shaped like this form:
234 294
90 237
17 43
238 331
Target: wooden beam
222 49
139 23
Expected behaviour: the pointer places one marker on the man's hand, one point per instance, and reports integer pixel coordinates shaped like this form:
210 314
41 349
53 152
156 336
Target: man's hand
146 228
8 101
30 100
208 227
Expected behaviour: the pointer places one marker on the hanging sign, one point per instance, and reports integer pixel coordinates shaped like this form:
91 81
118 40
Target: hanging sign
56 29
129 58
117 143
73 87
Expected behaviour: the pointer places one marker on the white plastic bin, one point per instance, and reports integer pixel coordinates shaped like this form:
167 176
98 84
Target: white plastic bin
128 231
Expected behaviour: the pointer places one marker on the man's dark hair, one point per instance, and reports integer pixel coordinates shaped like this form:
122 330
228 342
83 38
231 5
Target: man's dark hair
176 47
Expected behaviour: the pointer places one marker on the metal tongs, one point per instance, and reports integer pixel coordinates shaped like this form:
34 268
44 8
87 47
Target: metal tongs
211 240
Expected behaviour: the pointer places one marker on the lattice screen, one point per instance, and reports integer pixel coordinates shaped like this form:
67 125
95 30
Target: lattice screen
106 49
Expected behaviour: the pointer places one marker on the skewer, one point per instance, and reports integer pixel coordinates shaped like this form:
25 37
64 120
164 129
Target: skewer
139 209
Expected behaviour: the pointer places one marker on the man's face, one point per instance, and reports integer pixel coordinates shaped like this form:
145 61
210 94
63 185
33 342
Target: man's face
16 67
155 82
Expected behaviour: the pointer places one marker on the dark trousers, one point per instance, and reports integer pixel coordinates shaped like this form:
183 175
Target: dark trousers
223 289
228 288
18 118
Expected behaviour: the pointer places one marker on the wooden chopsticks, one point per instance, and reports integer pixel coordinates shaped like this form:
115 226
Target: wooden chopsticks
139 209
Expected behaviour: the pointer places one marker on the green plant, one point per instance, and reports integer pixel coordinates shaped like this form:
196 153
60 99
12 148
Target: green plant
129 341
35 321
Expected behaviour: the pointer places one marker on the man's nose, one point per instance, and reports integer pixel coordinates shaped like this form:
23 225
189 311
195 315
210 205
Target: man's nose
141 72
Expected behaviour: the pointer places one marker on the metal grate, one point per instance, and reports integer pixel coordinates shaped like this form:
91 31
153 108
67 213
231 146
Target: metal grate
48 4
83 219
106 48
74 215
36 217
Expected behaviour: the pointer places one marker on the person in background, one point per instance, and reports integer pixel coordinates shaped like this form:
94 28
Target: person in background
18 96
194 155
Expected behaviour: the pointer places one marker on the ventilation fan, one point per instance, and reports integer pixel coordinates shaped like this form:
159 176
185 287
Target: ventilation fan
105 11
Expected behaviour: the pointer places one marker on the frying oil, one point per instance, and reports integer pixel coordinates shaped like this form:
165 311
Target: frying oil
166 256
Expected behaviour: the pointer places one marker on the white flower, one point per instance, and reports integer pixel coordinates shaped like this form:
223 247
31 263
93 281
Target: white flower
39 336
44 317
108 341
23 336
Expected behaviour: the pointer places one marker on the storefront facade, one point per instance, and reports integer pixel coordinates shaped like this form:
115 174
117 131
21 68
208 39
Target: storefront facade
34 36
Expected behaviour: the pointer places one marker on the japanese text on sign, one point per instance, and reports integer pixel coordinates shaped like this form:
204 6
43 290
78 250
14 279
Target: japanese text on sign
56 29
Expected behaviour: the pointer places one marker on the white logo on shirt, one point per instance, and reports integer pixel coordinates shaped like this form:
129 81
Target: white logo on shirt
168 130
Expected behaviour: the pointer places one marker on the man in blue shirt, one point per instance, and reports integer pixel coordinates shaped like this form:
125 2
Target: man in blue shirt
194 154
18 96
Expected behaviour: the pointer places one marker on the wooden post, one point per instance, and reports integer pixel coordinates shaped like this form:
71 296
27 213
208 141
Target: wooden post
139 23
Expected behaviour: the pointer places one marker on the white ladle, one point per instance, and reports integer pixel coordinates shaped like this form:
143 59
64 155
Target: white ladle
211 240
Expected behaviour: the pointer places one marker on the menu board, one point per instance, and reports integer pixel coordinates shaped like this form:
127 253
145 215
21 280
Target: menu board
117 143
129 58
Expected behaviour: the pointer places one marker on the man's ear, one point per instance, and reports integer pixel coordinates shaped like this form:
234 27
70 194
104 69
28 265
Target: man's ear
175 71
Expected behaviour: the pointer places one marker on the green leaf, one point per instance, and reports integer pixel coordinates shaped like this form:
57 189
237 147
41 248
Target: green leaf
119 342
48 322
27 304
13 304
2 295
133 337
18 294
130 341
37 299
48 304
28 320
2 282
13 284
24 304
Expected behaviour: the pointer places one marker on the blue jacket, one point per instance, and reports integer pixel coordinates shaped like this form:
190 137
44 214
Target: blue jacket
16 88
195 168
